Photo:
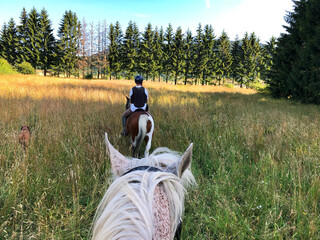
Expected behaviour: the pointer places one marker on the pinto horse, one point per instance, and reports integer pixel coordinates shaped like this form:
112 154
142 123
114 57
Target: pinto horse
139 126
145 200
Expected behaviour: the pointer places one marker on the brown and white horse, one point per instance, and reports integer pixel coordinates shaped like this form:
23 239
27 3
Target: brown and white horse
139 126
145 200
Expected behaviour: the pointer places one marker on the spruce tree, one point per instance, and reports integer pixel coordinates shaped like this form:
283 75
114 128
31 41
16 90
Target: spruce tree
236 66
33 40
9 39
199 57
47 42
268 51
209 58
23 35
157 40
188 55
118 40
247 60
147 63
128 52
68 43
256 56
112 51
136 44
224 54
3 40
296 68
167 51
177 54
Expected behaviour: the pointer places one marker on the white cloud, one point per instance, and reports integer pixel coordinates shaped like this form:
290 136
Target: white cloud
264 17
208 3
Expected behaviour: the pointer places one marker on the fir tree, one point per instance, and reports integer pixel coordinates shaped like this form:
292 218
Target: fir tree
68 43
136 44
32 41
188 55
167 51
9 42
118 41
236 66
47 42
268 52
209 59
247 61
225 54
147 63
113 51
256 56
129 51
23 36
158 53
199 57
296 68
177 54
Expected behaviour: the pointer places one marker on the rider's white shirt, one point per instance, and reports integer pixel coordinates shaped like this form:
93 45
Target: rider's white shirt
133 107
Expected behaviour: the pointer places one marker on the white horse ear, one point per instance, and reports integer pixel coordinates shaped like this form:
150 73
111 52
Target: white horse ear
118 161
185 161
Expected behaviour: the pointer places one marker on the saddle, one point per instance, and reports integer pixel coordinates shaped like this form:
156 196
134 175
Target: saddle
139 110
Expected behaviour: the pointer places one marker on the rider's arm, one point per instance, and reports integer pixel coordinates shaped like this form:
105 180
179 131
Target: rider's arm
146 91
130 94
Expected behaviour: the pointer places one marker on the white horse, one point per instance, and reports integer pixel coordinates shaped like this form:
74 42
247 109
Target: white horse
145 200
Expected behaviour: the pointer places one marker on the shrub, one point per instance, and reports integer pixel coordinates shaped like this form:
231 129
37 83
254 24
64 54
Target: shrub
5 67
25 68
228 85
88 76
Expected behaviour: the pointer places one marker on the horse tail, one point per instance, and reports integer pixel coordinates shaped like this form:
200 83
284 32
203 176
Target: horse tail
142 124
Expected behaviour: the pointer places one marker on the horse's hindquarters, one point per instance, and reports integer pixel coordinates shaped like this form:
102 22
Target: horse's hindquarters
140 126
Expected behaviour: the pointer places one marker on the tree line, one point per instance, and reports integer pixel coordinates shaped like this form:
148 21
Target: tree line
296 70
86 50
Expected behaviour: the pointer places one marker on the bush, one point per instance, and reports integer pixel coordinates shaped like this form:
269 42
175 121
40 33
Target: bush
228 85
88 76
25 68
5 67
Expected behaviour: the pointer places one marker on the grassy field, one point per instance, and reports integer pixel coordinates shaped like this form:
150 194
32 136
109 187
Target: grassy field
256 159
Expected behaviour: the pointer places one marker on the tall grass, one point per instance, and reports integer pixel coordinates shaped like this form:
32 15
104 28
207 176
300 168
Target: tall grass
256 159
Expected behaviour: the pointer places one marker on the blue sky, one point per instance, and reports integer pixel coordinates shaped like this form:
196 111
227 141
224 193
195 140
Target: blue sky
264 17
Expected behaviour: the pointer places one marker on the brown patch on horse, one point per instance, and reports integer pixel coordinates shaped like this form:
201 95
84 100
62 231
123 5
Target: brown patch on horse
24 137
133 124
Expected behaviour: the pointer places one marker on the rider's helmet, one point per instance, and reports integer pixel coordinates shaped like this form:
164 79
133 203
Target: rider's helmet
138 79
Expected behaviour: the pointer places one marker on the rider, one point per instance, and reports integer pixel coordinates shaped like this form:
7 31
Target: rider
138 98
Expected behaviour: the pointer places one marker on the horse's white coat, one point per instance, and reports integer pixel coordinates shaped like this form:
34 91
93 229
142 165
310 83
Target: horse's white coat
149 135
142 125
143 204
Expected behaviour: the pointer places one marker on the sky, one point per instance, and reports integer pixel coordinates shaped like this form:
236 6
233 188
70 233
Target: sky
235 17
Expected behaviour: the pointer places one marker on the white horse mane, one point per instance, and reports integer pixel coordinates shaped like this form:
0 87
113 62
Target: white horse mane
127 210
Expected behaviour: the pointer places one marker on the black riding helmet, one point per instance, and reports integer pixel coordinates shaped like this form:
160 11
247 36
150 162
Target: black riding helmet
138 79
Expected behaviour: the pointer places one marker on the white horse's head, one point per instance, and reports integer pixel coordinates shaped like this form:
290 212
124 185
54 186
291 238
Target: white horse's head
145 201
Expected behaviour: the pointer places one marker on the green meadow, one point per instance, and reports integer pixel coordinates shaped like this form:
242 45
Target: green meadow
256 159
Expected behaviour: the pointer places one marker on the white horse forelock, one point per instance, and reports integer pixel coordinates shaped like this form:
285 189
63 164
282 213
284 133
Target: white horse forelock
129 209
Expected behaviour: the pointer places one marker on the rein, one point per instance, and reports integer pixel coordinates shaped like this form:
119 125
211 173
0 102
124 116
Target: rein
143 168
